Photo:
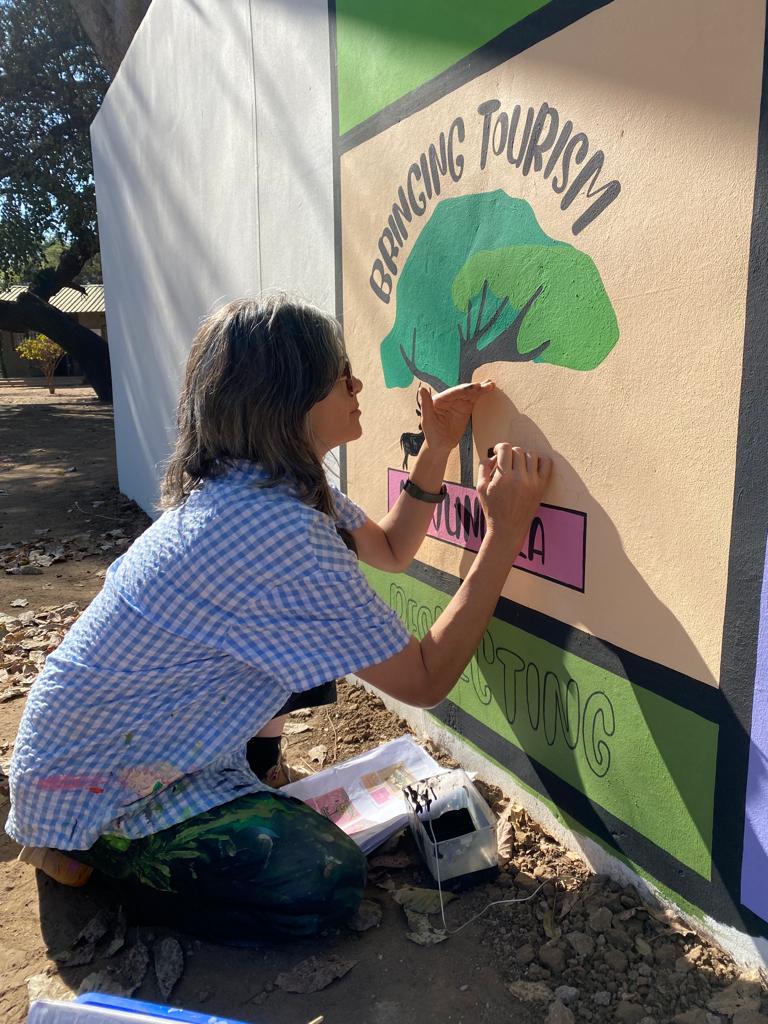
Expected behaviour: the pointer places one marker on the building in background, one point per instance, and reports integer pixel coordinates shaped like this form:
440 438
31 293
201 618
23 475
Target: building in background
87 309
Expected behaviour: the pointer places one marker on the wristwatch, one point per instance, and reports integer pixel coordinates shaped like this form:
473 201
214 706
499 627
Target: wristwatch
416 492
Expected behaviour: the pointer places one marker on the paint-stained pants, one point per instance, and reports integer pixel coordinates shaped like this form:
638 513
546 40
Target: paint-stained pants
262 866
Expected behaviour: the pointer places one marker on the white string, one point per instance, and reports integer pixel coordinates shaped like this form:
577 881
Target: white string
495 903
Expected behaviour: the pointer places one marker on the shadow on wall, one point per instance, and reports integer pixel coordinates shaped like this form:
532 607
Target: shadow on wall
667 728
660 30
617 618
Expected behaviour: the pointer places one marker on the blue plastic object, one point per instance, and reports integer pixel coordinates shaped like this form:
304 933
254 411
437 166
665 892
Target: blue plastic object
162 1013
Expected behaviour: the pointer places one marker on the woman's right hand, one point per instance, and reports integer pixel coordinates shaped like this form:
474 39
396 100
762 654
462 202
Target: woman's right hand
511 485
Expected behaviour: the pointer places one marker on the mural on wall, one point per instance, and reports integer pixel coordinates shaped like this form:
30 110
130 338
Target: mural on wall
544 210
501 290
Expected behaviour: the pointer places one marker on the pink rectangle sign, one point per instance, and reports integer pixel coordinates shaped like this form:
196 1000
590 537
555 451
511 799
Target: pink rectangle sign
555 548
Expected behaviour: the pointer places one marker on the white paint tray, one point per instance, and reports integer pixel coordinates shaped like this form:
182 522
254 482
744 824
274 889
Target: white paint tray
453 856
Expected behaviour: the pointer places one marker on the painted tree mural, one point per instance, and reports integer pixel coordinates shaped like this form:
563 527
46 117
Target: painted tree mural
484 284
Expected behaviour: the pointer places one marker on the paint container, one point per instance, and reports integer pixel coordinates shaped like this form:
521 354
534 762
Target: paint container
454 828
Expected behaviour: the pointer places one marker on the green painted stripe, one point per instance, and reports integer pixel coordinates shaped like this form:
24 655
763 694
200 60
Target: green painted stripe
385 50
578 828
646 760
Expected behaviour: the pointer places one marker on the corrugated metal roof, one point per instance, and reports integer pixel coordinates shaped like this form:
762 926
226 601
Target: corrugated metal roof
67 300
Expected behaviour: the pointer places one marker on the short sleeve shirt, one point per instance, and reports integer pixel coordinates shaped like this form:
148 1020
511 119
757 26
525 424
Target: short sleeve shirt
204 627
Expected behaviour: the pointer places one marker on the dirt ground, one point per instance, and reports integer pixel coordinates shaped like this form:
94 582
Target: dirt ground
580 948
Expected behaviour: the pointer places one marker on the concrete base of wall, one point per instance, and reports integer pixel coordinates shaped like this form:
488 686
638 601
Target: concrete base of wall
749 952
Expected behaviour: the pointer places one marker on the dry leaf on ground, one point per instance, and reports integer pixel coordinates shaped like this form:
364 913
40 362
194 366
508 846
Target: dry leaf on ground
105 983
293 728
505 836
421 931
367 915
13 692
48 985
551 929
124 978
169 964
569 902
670 920
83 948
117 941
531 991
314 974
421 901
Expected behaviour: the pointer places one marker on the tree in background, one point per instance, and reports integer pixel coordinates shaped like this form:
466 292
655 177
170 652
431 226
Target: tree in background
44 353
51 86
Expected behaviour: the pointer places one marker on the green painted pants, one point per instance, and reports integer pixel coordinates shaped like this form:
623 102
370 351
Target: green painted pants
262 866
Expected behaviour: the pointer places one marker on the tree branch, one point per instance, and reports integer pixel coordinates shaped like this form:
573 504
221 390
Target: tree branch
480 332
48 281
427 378
504 345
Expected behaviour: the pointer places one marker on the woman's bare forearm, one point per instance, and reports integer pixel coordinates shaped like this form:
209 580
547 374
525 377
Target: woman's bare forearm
427 670
450 644
407 522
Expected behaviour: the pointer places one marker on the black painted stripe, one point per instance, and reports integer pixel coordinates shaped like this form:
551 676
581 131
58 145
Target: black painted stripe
689 693
552 18
617 835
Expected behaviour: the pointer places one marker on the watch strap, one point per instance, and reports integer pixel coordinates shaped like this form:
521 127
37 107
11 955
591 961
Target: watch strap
416 492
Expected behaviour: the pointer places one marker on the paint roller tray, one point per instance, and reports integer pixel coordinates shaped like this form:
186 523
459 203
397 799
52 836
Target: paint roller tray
454 828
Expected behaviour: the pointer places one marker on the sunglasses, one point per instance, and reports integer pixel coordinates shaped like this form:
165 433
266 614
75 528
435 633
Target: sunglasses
346 376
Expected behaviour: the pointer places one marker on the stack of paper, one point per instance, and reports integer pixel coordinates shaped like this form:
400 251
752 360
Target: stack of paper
364 796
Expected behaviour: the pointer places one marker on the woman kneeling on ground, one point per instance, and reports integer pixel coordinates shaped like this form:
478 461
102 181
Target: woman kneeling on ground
147 735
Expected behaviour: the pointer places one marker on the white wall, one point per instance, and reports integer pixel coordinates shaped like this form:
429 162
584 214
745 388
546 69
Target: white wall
213 166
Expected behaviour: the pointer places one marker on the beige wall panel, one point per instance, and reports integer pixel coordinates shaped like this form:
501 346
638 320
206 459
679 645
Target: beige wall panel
644 443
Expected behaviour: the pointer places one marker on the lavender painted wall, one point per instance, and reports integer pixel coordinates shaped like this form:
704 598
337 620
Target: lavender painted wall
754 876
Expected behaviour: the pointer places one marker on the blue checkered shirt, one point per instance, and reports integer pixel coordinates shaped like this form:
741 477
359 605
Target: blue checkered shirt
205 626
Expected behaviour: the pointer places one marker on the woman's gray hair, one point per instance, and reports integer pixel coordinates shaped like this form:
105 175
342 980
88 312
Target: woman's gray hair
255 369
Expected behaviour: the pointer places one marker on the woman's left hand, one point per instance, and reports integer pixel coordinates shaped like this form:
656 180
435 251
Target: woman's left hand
444 416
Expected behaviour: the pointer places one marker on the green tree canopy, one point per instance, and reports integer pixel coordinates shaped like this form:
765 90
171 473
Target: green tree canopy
483 283
51 86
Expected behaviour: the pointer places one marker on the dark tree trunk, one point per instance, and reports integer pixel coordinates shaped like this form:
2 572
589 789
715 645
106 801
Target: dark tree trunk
465 457
30 313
